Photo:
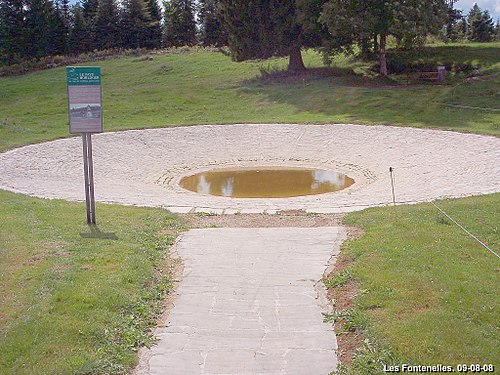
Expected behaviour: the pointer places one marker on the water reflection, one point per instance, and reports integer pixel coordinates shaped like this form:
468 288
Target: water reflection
266 182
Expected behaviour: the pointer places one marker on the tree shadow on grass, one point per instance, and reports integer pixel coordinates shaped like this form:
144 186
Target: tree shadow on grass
336 94
482 55
341 75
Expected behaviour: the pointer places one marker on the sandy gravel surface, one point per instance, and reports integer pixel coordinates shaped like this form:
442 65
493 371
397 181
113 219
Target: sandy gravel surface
144 167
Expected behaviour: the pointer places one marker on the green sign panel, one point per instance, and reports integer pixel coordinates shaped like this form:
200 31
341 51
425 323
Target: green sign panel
83 75
84 99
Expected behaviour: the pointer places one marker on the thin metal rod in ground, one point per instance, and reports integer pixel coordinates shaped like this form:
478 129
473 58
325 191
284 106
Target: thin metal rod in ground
391 171
465 230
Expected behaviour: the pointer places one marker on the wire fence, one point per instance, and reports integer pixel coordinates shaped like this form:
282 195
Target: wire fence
391 172
465 230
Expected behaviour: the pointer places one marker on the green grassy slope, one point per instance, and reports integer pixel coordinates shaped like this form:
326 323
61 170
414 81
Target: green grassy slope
207 87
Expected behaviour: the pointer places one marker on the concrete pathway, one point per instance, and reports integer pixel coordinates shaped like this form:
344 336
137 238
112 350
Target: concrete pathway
249 303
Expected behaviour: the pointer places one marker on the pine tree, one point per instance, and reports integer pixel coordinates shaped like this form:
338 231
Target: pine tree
39 28
66 18
245 23
135 22
89 8
77 35
454 16
106 25
210 21
480 25
89 13
265 28
460 29
12 30
65 12
59 30
180 25
154 32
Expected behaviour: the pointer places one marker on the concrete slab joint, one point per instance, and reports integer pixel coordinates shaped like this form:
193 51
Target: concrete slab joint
249 303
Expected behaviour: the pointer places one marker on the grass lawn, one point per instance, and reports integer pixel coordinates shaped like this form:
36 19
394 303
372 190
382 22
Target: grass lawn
207 87
73 304
429 293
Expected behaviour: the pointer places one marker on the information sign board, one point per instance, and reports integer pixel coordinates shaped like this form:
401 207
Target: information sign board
84 99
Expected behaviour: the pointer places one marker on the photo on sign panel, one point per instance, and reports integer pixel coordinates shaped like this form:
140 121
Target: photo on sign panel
85 111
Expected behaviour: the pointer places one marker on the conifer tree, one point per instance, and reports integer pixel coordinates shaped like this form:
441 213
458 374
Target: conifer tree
39 28
89 8
480 25
77 34
12 30
135 22
180 24
59 30
66 19
65 12
212 32
154 32
460 29
264 28
106 25
245 24
454 16
89 12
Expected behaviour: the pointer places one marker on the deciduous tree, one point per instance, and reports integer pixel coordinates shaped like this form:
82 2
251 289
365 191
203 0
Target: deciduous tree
353 21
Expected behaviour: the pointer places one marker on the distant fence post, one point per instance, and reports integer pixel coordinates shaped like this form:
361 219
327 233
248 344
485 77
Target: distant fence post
441 73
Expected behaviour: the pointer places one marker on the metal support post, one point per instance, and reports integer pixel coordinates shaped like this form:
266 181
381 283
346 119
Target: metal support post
89 177
391 171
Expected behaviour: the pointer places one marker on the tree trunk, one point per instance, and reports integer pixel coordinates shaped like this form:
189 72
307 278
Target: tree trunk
295 63
375 43
382 58
365 48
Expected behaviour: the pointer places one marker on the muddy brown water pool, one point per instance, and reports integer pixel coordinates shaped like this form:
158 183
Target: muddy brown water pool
266 182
